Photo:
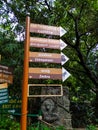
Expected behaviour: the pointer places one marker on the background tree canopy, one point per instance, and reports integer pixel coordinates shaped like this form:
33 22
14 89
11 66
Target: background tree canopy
78 18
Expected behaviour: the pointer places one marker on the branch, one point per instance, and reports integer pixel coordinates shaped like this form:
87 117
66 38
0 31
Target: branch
88 72
75 19
77 34
68 43
81 10
60 105
47 5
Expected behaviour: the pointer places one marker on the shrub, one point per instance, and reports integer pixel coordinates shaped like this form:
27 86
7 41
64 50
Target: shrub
6 123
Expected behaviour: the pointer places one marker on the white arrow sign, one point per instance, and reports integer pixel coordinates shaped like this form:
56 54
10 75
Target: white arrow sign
47 43
46 29
64 59
62 31
65 74
62 44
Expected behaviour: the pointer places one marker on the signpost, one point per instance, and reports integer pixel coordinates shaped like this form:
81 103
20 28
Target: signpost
46 29
47 57
3 93
47 43
41 73
48 73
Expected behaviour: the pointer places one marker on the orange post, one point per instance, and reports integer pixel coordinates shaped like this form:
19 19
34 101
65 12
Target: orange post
25 76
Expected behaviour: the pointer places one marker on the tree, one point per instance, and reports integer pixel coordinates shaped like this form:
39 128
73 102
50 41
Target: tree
11 50
79 18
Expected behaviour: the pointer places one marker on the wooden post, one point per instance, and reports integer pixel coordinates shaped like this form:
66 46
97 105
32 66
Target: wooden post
25 76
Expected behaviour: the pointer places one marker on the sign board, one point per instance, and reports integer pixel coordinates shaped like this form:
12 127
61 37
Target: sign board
6 70
46 29
13 106
6 78
47 43
48 73
3 93
6 74
47 57
4 85
45 90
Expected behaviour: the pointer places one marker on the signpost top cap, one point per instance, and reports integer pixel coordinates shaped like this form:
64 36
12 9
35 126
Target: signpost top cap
28 14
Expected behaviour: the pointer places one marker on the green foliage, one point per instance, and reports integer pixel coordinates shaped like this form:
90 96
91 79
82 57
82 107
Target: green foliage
84 112
60 128
6 123
91 127
42 126
78 18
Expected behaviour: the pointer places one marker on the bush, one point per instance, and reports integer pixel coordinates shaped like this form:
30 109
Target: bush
6 123
41 126
91 127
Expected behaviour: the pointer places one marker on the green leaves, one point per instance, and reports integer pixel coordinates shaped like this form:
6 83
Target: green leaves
79 18
8 123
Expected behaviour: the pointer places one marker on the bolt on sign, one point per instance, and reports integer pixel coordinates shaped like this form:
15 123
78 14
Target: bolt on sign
6 74
3 93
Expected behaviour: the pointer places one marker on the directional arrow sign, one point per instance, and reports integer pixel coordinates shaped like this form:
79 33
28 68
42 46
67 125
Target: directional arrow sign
4 85
47 43
48 73
6 70
47 57
7 78
3 93
44 57
65 74
6 74
64 59
45 29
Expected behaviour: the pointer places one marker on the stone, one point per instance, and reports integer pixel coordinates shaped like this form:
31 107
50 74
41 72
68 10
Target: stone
56 110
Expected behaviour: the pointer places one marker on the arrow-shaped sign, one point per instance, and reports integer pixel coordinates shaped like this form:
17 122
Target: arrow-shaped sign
47 57
64 58
46 29
6 70
47 43
48 73
65 74
4 85
3 93
62 45
6 74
